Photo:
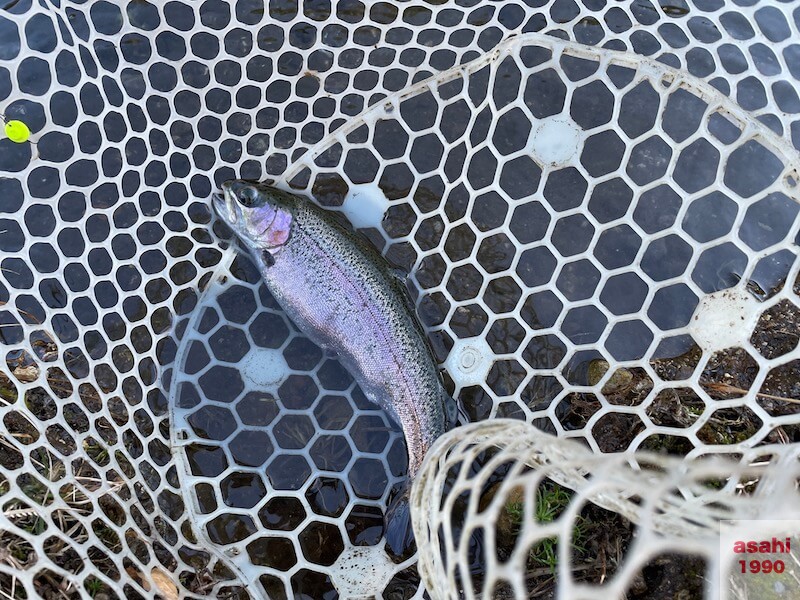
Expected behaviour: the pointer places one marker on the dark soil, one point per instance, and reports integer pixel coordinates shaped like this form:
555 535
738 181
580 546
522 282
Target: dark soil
729 374
600 543
669 576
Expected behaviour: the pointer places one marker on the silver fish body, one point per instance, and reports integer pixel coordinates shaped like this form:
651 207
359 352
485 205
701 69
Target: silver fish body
345 297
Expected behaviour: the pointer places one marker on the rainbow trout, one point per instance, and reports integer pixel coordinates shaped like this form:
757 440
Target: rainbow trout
345 297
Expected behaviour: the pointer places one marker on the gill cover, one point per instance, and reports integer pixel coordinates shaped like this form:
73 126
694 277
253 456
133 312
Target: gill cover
257 213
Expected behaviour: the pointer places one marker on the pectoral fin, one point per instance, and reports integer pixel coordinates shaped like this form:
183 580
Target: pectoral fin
267 259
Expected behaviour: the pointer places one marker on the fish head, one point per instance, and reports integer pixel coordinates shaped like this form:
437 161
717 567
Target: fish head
260 215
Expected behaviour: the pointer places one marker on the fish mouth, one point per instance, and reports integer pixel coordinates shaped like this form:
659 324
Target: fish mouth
224 204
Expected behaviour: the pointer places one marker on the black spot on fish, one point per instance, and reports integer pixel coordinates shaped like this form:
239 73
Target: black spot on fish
267 258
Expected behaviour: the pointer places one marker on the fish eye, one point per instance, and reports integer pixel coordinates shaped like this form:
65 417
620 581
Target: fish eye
247 197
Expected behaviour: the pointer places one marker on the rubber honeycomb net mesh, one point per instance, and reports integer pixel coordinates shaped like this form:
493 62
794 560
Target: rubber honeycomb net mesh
597 206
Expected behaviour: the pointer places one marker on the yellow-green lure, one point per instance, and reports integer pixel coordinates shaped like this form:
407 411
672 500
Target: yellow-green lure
17 131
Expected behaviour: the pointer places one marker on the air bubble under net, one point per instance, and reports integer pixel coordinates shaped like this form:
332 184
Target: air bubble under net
597 206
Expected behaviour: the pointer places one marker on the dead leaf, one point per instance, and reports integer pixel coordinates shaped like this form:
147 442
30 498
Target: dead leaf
165 585
27 374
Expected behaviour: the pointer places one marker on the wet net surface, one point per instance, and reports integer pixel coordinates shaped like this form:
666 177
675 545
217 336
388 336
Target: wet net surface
599 218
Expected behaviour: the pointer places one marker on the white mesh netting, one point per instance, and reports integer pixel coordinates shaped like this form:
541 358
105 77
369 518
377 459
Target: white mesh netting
597 203
508 510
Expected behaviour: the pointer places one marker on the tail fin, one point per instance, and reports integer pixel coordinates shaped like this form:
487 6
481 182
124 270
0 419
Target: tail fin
397 525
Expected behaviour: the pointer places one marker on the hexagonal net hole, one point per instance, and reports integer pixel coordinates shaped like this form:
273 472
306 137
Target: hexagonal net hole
728 426
729 374
676 407
776 334
781 390
614 432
